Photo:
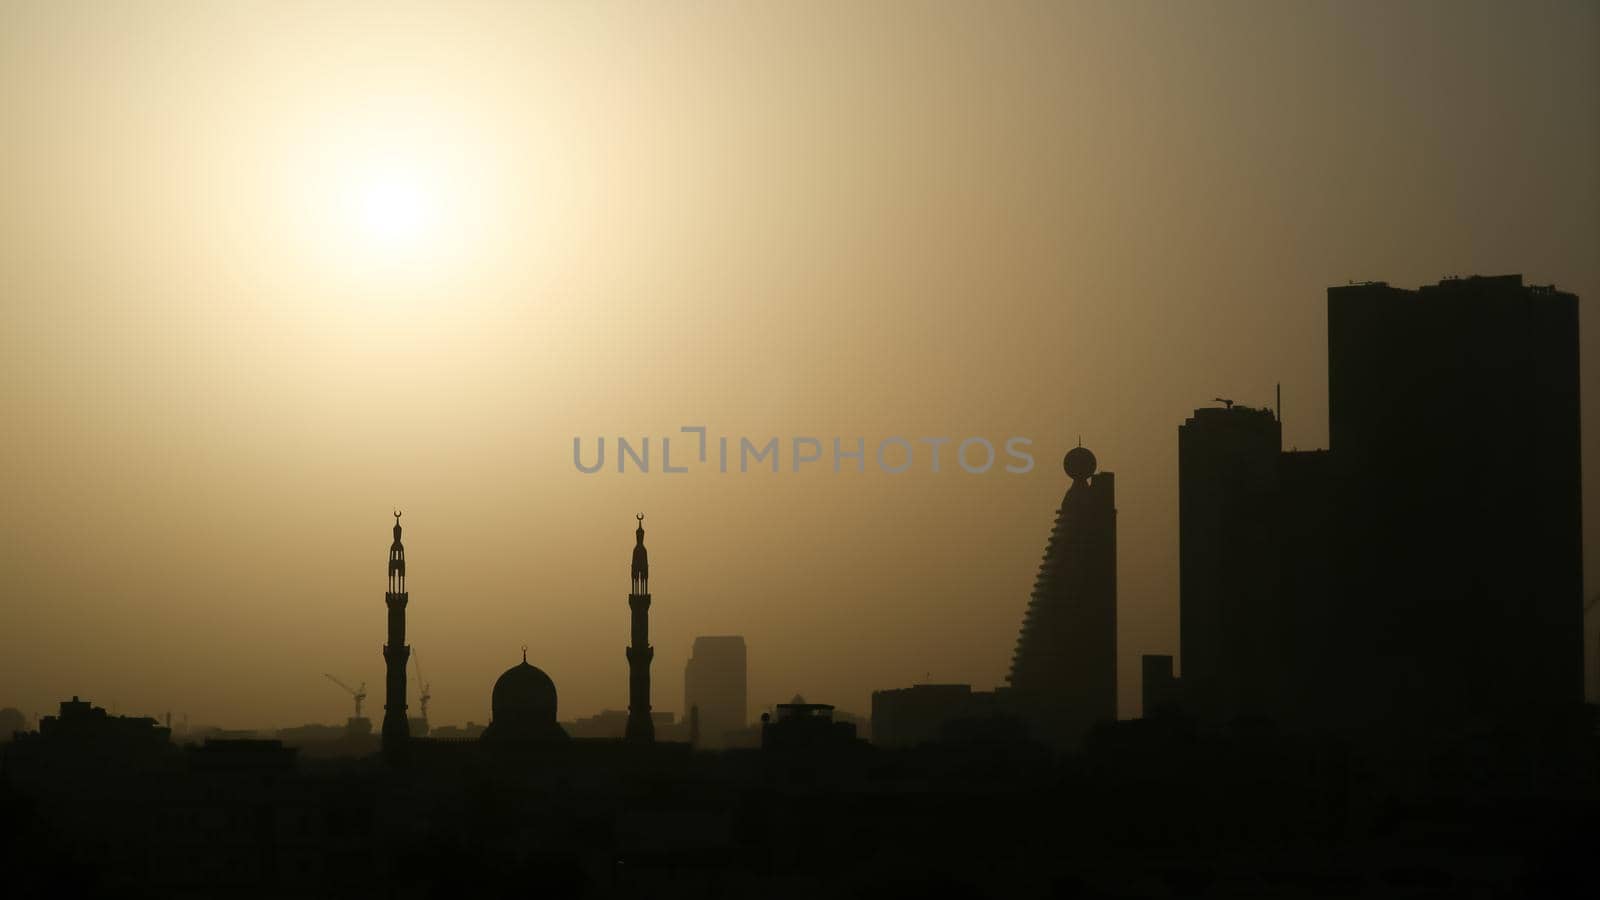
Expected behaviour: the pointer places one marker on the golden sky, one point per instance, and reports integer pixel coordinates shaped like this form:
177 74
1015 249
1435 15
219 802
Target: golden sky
268 270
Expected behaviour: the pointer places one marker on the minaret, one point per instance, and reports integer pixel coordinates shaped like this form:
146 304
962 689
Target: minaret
396 730
640 727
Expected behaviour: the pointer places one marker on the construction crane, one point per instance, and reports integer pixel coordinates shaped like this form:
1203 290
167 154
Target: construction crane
421 685
1224 401
359 693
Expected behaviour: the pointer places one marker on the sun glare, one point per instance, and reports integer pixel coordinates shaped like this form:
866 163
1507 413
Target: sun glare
391 214
393 209
400 197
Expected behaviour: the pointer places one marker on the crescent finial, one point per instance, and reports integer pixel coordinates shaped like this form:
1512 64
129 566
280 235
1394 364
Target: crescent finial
397 515
640 517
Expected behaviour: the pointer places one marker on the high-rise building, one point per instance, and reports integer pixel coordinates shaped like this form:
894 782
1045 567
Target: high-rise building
1159 690
906 717
396 730
1063 677
1228 562
714 687
1454 431
1309 662
1426 570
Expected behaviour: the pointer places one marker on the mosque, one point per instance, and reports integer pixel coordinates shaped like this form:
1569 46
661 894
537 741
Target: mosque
523 702
523 706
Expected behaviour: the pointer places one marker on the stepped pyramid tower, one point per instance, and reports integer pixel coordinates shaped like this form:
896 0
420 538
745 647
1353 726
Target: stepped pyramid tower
1064 671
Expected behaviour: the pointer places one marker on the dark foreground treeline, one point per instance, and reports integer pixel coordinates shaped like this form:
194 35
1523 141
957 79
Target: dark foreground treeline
1150 808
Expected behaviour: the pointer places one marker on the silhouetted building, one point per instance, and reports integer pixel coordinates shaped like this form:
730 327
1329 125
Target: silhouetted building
1256 571
327 741
714 683
523 706
906 717
1454 427
862 724
1310 680
11 721
1160 692
746 738
805 726
1398 579
83 743
78 720
310 733
612 724
1591 613
1229 631
251 755
396 728
1064 672
469 731
640 653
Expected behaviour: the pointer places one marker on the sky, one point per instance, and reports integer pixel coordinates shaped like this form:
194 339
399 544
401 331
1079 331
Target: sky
271 270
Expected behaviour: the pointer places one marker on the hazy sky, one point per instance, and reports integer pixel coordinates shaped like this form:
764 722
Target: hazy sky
269 270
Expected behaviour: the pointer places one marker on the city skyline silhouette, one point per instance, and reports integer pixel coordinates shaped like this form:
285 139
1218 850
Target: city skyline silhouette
224 388
491 284
1290 691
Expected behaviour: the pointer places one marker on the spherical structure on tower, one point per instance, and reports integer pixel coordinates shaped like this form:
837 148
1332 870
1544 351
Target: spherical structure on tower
1079 463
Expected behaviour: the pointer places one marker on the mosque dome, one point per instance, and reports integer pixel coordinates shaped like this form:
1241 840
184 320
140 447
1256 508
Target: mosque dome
524 690
523 705
1079 463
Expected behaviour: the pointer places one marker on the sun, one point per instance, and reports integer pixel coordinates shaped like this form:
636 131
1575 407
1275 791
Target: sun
396 213
393 208
391 196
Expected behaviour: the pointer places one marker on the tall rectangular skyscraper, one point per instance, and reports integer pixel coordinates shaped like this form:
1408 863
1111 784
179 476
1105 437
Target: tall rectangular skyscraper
1426 570
1230 623
714 687
1454 425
